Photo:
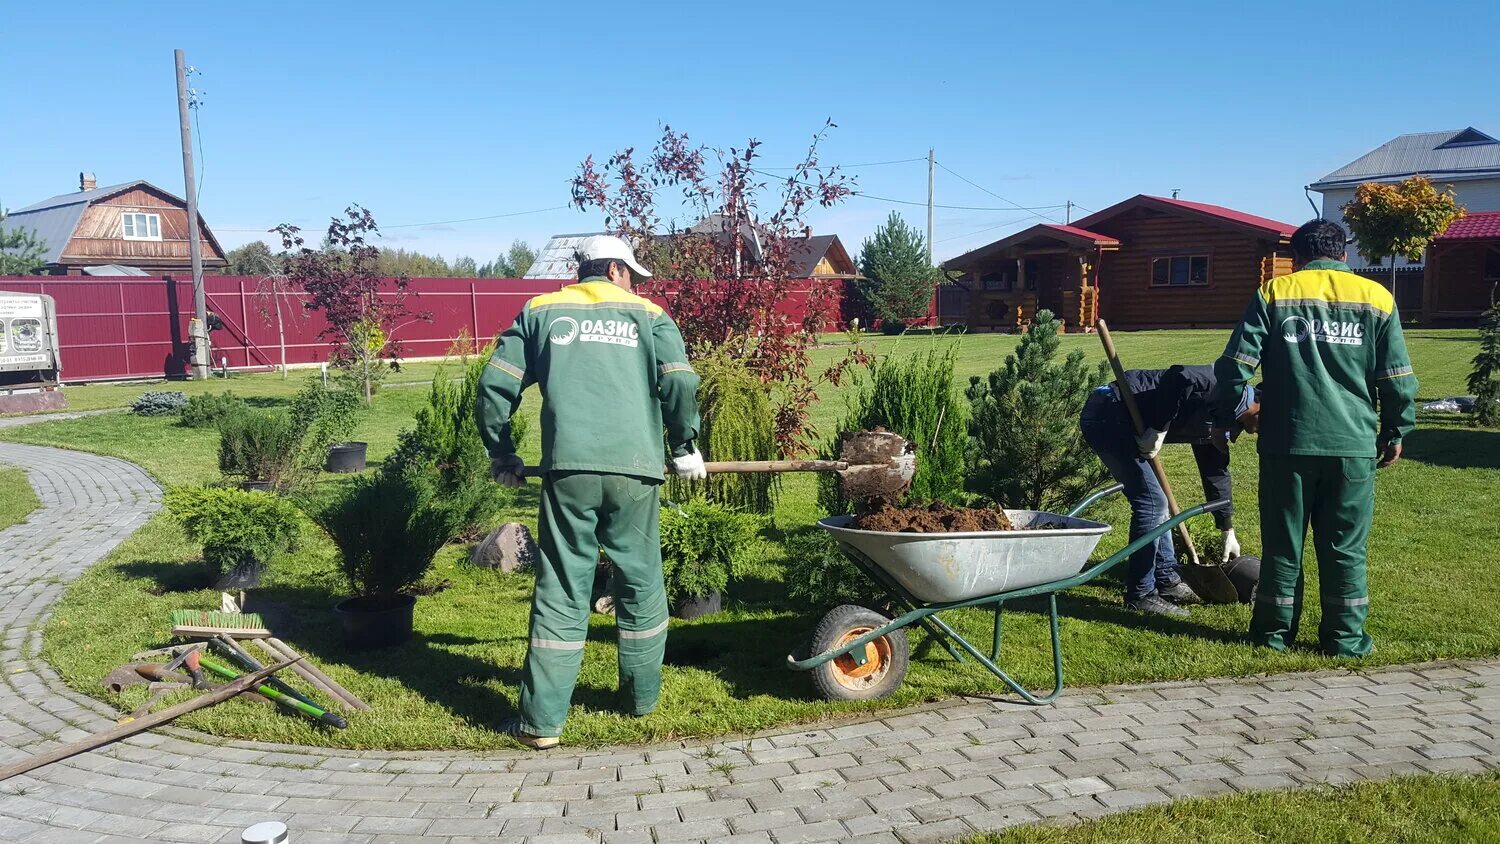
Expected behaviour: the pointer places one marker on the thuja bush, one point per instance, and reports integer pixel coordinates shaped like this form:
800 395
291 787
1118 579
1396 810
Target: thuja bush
818 576
1025 448
915 396
738 423
1484 381
237 529
260 446
700 543
206 409
445 445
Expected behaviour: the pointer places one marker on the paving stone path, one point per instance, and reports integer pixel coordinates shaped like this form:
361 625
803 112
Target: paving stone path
928 775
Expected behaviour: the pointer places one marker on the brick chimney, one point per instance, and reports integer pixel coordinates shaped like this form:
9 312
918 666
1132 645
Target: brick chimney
86 181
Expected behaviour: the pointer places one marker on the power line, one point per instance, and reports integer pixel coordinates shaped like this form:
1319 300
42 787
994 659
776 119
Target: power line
986 229
956 207
864 164
445 222
1013 204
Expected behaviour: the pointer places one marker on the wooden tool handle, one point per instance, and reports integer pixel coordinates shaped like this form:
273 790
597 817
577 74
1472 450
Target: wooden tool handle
130 728
748 466
738 467
1128 398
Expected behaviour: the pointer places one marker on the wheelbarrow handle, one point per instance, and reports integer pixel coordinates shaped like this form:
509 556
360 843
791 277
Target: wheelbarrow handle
1094 497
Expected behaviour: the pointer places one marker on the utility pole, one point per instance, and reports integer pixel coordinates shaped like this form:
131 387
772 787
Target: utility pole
198 326
930 174
1068 215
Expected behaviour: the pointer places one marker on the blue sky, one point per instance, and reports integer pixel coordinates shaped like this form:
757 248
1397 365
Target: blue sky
447 110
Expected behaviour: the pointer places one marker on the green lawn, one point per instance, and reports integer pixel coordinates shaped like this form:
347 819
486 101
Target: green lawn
17 498
1436 593
1460 810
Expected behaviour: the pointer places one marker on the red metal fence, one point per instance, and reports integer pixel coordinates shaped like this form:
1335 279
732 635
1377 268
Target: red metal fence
138 327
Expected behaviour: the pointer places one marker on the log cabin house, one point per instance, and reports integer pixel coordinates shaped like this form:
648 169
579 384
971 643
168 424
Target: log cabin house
1463 271
134 228
1147 262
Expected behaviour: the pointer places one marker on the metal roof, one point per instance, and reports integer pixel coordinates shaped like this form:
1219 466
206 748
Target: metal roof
1252 222
1484 225
54 220
556 258
53 225
109 270
1454 153
1051 232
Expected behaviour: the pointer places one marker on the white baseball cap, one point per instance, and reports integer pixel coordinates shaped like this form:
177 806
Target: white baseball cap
603 246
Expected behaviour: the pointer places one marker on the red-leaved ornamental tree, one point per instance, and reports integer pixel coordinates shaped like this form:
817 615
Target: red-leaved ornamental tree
727 279
343 281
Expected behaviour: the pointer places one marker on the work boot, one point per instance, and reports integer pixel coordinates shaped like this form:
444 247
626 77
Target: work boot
1180 594
513 729
1154 605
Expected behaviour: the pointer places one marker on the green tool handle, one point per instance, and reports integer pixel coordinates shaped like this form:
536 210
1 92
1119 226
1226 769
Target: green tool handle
316 712
248 663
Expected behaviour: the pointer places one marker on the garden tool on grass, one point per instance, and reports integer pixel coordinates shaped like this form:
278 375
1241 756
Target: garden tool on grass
317 713
1208 580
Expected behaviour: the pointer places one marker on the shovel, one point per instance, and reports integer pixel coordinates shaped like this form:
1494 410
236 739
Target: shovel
1207 579
872 466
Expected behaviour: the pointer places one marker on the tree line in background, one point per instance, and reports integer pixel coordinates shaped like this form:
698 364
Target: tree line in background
256 259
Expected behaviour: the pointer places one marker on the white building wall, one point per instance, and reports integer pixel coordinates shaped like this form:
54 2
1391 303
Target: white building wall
1474 194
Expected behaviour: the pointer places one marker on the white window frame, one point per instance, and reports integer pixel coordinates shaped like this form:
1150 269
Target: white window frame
137 219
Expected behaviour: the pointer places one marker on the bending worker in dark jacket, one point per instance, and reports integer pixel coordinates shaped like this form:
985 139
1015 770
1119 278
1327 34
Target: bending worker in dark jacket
612 372
1330 350
1174 408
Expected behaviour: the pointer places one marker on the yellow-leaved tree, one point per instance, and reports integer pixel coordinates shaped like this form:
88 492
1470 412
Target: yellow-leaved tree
1399 219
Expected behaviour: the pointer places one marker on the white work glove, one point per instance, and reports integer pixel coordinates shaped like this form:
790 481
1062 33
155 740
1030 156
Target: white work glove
1231 545
1149 442
690 466
506 471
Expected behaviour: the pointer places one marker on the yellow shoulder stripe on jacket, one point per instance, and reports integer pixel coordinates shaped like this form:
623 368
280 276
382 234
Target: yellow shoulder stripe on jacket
593 294
1334 288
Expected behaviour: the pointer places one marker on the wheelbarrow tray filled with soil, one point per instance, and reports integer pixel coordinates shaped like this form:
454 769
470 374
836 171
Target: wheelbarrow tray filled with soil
945 567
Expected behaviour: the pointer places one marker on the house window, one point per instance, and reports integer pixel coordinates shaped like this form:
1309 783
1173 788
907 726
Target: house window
141 226
998 279
1033 272
1179 271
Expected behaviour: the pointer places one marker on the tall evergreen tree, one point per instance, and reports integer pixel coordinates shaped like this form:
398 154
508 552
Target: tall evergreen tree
1025 448
899 280
21 251
1484 381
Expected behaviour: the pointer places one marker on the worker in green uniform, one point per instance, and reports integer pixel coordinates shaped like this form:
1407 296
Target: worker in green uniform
1337 394
612 373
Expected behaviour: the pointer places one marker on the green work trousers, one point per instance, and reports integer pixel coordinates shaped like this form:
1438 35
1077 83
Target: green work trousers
583 513
1337 496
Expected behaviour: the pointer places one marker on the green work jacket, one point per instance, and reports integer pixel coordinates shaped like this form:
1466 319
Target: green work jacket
1330 350
612 372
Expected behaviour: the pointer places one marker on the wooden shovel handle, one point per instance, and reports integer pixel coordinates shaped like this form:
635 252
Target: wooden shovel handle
744 467
1140 426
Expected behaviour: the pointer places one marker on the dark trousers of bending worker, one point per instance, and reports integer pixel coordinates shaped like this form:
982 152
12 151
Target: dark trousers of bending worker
1336 496
583 513
1108 432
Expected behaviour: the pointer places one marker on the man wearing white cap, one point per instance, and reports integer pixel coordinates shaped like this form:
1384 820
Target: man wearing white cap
613 373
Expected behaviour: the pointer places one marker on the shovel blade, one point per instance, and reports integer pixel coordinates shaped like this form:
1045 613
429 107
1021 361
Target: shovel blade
1210 582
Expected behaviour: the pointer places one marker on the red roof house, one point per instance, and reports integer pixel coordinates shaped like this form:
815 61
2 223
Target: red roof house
1148 261
1463 271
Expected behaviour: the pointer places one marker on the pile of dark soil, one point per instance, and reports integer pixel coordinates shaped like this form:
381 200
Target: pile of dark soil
936 517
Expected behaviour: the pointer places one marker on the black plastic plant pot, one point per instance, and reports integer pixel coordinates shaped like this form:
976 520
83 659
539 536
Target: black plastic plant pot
346 458
255 486
371 623
697 606
1244 573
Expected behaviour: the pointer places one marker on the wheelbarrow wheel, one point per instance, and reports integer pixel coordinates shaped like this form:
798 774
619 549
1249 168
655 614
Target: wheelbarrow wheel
844 678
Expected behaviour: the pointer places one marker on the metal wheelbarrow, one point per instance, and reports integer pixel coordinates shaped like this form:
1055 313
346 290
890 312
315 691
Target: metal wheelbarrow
857 653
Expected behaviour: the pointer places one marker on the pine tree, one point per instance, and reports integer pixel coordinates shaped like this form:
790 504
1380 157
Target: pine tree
1025 448
1484 381
21 251
899 280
